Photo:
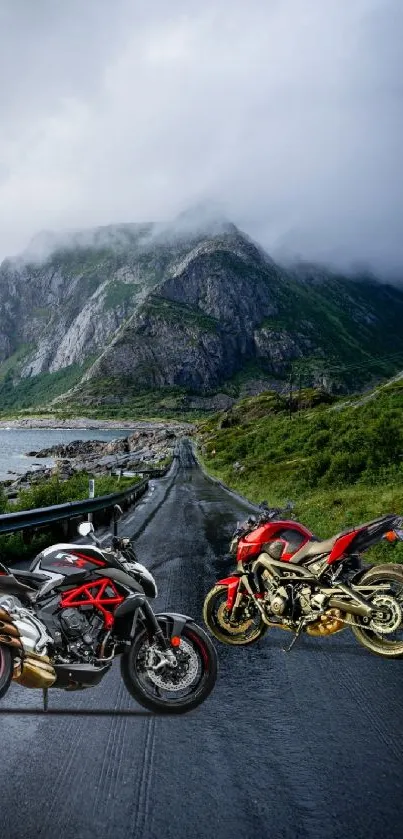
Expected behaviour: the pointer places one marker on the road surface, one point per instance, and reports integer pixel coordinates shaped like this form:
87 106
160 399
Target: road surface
305 745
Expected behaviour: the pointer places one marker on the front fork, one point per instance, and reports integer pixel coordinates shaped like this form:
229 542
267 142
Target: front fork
235 596
172 623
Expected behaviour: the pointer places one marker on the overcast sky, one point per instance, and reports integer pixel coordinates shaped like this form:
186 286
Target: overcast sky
287 112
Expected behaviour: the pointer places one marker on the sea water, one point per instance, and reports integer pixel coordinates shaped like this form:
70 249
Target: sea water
16 442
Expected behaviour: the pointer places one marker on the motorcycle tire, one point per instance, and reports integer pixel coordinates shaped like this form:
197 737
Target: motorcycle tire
6 669
373 641
214 613
196 657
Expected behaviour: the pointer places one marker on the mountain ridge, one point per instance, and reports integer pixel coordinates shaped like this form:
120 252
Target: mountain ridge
164 307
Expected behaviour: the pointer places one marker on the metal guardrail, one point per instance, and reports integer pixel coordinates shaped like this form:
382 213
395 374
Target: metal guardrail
153 473
12 522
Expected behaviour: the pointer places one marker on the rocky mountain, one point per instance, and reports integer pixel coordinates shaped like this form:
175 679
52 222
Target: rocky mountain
133 308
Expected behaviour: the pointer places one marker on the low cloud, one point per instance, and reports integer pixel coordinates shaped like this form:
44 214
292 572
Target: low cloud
289 114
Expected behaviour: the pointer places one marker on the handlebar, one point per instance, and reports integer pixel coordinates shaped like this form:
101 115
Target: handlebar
269 513
125 547
266 514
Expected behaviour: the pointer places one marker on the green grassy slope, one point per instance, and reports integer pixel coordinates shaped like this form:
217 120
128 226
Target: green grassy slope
37 391
340 464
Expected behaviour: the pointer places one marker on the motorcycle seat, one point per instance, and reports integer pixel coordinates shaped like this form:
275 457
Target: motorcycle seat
312 549
28 577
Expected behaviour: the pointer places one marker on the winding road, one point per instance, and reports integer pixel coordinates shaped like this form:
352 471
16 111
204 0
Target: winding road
305 745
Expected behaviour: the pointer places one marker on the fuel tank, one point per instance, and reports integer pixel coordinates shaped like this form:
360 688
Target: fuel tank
68 560
291 533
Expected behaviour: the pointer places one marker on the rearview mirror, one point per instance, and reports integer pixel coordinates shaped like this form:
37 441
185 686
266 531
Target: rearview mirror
85 528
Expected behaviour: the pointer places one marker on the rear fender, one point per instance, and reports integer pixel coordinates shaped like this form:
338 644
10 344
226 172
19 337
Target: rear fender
357 576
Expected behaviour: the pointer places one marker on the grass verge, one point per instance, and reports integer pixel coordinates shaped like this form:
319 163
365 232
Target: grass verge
339 465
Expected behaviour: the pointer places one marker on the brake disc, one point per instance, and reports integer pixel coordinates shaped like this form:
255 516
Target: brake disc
234 628
182 675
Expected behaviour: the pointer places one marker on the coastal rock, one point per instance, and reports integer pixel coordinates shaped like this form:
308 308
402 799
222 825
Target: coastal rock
146 447
77 448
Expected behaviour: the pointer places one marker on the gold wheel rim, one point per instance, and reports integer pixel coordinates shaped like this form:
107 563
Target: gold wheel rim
222 620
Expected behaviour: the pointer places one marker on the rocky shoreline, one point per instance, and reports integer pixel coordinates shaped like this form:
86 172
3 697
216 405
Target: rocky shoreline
88 424
149 446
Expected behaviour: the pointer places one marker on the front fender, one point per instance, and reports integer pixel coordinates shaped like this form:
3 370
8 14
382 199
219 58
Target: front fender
232 584
174 622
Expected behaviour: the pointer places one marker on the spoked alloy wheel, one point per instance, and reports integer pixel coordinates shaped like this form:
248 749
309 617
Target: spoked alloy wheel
247 628
6 669
164 688
383 634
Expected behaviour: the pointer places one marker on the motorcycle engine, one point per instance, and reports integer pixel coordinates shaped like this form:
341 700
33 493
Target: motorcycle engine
289 601
310 602
79 633
276 599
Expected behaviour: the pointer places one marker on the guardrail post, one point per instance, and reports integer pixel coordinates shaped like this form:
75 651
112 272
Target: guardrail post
91 494
27 536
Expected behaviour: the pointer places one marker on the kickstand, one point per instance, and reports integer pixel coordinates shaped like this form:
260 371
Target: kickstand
45 699
296 636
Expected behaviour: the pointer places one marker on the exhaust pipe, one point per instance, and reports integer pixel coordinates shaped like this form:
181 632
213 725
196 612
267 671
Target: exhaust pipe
9 629
31 669
36 672
11 642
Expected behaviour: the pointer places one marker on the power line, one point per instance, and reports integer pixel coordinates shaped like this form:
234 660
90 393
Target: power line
359 365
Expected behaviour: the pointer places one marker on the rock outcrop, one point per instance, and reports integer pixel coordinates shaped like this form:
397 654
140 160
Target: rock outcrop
149 447
153 308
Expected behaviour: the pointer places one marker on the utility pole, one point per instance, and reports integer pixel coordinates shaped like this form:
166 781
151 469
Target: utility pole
299 391
290 398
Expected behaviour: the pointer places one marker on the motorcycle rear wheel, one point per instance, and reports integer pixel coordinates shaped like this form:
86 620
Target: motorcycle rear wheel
172 691
383 644
6 669
216 618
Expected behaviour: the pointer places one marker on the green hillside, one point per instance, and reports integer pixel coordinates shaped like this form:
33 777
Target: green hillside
339 463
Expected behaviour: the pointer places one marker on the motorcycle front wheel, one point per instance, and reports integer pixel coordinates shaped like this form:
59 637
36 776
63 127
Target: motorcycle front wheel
165 689
6 669
245 630
383 636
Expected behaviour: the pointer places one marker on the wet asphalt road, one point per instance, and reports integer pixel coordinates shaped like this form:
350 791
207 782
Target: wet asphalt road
306 745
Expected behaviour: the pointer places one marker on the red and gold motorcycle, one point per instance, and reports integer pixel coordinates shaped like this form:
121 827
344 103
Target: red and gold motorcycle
287 578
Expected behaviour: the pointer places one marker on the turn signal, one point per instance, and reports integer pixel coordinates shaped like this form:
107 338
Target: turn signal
391 536
175 641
